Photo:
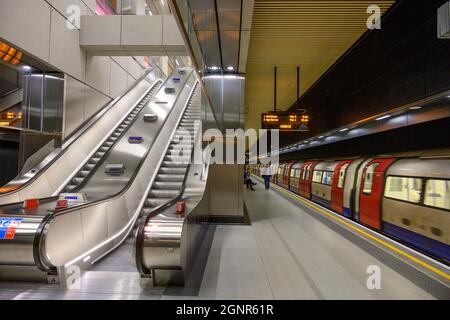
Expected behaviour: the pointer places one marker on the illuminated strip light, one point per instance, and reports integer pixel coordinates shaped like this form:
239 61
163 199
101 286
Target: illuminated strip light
10 54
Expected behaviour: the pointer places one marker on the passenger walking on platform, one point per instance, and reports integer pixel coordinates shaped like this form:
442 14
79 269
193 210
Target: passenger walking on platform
266 173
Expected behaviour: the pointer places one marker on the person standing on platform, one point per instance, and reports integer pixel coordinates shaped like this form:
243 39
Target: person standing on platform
266 173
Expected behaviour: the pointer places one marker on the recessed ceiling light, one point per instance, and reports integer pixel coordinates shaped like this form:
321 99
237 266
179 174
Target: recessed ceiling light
415 108
214 68
343 130
321 137
230 68
26 68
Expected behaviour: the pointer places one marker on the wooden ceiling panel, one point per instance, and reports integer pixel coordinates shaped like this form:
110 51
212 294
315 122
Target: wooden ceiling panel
311 34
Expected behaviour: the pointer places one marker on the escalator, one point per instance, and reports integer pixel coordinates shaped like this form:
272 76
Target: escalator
172 172
48 238
50 176
86 171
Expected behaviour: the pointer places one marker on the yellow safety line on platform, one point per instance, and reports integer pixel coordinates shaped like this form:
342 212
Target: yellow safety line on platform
407 255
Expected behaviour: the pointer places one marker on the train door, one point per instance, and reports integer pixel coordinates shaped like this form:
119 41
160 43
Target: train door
350 188
358 187
337 188
280 174
300 179
371 191
287 173
308 179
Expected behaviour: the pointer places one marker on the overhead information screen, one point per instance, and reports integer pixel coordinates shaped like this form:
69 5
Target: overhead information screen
285 121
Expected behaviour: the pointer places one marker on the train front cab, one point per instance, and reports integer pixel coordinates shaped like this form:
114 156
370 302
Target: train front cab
416 204
295 177
322 181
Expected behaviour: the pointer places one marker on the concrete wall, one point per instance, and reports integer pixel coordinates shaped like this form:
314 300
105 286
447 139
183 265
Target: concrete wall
42 29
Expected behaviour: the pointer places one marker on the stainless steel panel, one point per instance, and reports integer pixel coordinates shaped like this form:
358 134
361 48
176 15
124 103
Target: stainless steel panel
19 251
53 102
229 12
233 102
230 48
33 98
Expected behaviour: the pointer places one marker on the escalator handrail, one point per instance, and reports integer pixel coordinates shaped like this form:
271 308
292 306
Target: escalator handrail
10 92
53 215
32 174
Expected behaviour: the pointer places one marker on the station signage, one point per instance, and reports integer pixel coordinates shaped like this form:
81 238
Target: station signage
8 227
285 121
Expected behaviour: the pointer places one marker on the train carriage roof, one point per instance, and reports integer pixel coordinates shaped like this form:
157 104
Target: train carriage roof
432 168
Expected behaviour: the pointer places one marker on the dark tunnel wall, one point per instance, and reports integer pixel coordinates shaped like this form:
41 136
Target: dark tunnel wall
401 63
424 136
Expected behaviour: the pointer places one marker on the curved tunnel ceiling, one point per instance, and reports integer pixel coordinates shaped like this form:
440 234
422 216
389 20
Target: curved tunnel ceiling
310 34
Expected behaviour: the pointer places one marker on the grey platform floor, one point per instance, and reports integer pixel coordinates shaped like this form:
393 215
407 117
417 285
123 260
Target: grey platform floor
287 253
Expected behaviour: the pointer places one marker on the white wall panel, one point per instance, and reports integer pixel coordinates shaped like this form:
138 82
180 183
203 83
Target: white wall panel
98 73
91 4
39 27
152 25
92 102
119 80
74 105
65 52
63 5
26 24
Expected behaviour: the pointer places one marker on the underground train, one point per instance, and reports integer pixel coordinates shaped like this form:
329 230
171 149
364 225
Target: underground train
404 197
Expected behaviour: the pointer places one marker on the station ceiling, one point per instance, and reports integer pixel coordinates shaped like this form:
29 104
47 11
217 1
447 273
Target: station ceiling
311 34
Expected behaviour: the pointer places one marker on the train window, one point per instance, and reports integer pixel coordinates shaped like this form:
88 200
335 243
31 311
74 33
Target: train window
297 173
317 176
280 170
292 173
437 194
368 179
342 175
327 177
402 188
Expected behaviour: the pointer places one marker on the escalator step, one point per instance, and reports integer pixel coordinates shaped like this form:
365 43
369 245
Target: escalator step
69 188
166 185
89 167
170 164
163 193
77 180
170 177
84 173
171 171
152 203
